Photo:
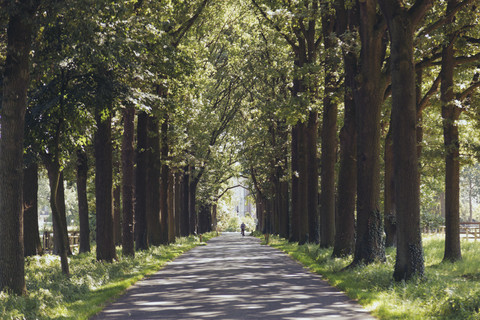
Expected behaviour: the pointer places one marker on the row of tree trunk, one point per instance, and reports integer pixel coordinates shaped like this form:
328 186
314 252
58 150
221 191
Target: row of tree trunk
366 84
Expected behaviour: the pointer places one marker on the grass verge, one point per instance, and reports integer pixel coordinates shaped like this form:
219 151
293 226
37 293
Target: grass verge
91 285
448 290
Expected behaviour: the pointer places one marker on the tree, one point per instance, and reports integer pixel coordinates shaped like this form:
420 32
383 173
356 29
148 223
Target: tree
31 235
14 104
298 24
370 86
402 22
347 182
451 110
103 169
329 131
128 186
82 176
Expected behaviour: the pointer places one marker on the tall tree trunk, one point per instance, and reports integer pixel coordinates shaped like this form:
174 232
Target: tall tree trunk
128 182
31 234
171 208
389 193
347 175
470 198
295 218
184 210
450 114
311 161
401 23
285 215
192 203
82 175
103 185
164 176
141 230
204 213
214 217
14 103
178 203
61 238
117 218
63 214
329 139
154 195
303 184
370 87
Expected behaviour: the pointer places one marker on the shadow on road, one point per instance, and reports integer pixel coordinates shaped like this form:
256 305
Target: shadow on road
233 277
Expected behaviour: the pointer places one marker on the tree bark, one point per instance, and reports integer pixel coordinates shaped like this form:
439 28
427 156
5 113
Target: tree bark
329 139
401 23
303 184
61 238
103 185
14 103
171 208
369 92
117 218
154 195
128 182
390 216
295 218
31 234
184 210
141 230
347 176
204 218
178 202
192 203
311 164
82 175
63 215
450 114
164 176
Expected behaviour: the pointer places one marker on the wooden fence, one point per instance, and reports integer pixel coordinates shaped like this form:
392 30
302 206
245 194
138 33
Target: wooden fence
468 230
47 240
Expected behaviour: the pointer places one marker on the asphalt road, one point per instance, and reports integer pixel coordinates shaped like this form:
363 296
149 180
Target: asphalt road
233 277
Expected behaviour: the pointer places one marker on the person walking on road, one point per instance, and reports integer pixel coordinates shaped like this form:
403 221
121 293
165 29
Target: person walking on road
242 227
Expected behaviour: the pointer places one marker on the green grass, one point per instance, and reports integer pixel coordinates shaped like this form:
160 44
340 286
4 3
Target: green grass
448 290
91 285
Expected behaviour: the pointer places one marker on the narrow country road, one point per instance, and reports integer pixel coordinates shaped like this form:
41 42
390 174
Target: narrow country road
233 277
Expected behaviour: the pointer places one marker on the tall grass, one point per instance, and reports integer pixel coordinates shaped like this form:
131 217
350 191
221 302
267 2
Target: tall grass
51 295
448 290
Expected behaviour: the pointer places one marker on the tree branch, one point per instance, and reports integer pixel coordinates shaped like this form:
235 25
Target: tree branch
437 24
424 102
183 29
467 92
286 37
227 189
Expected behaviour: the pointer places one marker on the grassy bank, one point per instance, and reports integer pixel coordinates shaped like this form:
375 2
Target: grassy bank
92 284
448 291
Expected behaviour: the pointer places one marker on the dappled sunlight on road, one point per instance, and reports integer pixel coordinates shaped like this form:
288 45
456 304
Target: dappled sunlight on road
233 277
